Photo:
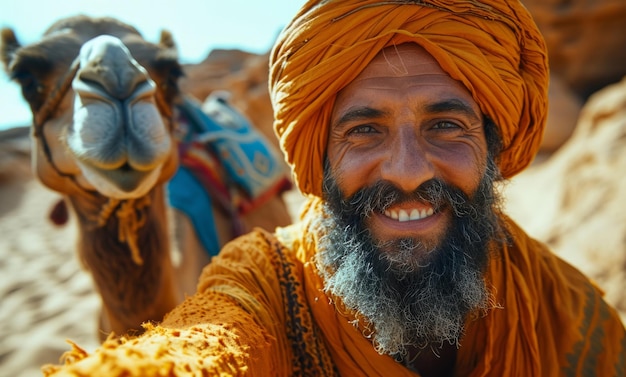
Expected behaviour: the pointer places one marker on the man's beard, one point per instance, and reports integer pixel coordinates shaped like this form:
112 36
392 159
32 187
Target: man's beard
409 301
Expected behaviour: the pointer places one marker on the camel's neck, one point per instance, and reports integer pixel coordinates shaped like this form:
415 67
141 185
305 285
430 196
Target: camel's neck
135 285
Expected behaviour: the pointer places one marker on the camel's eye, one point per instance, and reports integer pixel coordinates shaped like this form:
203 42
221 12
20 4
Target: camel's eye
25 79
32 90
169 71
29 71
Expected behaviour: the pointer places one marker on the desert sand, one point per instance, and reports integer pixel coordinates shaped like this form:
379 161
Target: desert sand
45 296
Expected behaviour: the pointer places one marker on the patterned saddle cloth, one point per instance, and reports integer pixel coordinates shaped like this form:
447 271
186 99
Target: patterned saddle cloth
224 162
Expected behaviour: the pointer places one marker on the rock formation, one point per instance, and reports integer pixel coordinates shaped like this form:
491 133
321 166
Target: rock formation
575 200
587 49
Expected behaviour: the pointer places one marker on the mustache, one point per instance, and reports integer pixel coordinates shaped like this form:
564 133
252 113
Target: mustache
384 194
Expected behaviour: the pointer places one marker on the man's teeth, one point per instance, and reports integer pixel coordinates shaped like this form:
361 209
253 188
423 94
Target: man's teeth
414 214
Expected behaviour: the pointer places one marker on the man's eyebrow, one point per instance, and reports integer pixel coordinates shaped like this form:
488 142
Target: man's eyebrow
453 105
359 113
449 105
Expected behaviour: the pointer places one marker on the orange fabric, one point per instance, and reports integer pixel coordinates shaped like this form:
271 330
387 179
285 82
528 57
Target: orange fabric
492 46
260 310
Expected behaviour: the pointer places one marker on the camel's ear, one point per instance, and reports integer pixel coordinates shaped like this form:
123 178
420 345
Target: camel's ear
8 46
167 40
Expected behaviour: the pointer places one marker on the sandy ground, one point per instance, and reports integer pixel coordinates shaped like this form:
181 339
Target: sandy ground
45 297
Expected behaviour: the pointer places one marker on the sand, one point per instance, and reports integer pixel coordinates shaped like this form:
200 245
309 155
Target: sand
45 296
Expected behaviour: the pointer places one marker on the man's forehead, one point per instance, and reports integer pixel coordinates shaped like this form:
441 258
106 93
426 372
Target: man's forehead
401 60
404 66
383 81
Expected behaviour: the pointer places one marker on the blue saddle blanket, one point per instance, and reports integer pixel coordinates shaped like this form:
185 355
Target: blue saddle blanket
224 162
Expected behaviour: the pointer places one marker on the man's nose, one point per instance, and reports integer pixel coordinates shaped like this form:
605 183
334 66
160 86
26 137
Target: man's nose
408 164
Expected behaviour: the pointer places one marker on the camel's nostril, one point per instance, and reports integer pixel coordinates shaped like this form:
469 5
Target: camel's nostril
91 83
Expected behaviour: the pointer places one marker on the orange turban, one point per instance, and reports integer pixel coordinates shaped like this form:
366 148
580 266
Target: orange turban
493 47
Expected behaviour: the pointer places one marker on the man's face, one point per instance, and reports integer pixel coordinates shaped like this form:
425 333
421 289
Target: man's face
404 121
408 187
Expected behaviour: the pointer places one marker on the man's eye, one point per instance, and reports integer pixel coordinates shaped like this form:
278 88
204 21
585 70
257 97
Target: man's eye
444 125
362 129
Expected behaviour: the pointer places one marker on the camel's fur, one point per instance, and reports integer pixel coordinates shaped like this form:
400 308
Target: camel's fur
134 288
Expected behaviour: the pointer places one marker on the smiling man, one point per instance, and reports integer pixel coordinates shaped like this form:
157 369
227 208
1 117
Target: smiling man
409 193
397 118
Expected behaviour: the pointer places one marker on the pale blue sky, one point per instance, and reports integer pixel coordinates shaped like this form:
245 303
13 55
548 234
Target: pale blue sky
198 27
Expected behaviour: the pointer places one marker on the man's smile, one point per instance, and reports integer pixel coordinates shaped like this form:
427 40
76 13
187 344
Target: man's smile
418 221
409 214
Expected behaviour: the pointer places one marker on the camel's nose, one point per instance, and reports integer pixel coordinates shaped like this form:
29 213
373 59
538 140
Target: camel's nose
106 63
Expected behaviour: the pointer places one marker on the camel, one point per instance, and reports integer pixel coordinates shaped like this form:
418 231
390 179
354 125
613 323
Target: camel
105 105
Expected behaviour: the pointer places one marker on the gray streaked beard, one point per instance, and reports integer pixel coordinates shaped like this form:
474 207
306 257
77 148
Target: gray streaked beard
409 304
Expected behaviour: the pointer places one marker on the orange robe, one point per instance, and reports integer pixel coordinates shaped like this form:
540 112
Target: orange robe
260 310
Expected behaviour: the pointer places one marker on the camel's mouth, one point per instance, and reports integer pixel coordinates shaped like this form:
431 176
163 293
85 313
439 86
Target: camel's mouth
125 178
124 182
126 167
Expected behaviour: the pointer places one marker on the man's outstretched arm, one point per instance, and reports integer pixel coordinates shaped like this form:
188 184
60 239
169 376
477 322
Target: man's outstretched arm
232 326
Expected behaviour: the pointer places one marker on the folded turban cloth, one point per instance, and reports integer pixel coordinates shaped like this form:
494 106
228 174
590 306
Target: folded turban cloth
493 47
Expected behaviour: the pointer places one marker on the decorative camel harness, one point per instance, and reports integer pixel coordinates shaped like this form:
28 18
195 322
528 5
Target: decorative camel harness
206 143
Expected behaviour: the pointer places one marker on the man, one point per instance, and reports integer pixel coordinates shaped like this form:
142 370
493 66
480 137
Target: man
396 117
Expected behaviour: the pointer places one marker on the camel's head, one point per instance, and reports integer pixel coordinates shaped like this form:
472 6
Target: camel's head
102 101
